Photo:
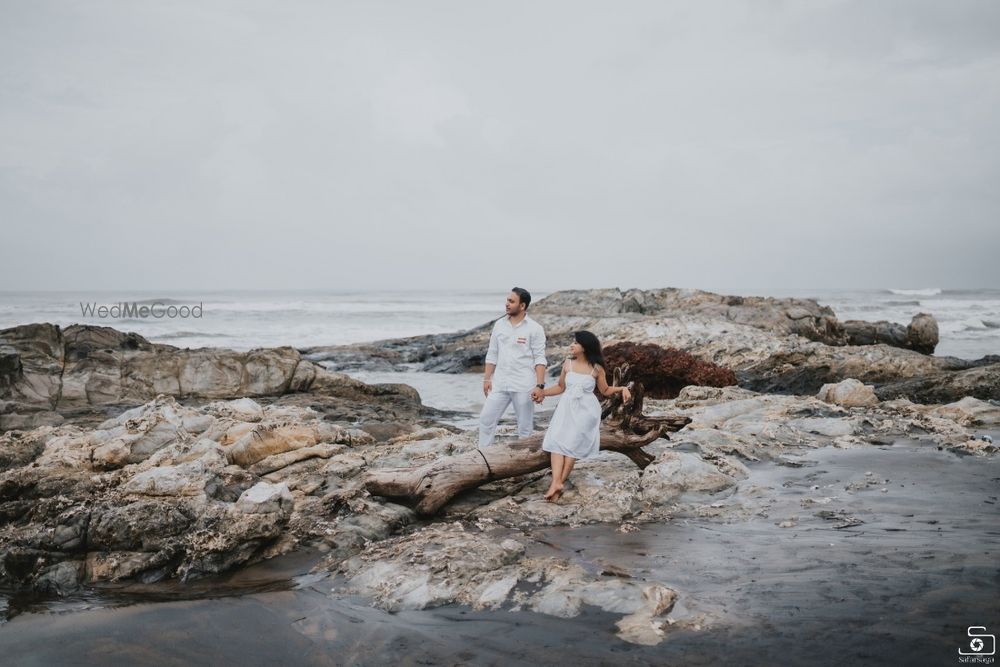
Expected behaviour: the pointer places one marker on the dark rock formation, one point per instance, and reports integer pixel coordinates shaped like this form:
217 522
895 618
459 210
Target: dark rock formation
982 382
920 335
457 352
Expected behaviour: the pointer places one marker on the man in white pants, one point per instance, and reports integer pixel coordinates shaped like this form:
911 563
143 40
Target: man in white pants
515 369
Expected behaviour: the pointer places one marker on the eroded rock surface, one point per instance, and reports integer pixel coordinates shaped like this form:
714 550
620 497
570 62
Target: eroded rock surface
163 490
47 372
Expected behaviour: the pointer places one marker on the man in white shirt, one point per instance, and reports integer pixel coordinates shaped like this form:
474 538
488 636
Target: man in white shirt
515 369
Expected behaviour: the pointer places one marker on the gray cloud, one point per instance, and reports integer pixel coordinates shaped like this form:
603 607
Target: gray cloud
553 144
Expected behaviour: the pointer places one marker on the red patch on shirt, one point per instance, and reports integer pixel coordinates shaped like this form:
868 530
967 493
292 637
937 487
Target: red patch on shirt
522 341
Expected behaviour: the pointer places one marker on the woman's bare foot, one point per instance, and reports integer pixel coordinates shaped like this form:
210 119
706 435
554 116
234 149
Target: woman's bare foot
554 493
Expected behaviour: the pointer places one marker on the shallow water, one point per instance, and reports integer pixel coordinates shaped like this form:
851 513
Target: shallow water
277 574
900 588
458 392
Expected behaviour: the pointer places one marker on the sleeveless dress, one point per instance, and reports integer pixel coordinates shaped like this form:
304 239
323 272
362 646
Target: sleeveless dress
575 429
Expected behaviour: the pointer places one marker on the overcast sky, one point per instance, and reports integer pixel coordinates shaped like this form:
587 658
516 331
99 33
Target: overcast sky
352 145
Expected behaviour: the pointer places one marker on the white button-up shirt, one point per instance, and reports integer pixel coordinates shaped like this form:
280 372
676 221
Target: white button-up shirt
516 350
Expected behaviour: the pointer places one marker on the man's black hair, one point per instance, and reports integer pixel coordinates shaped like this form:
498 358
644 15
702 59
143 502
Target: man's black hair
523 295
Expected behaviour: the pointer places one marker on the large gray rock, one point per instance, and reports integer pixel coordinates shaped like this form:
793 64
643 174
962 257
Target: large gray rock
920 335
938 386
849 393
61 578
142 525
682 477
862 332
187 479
264 498
44 367
32 363
969 412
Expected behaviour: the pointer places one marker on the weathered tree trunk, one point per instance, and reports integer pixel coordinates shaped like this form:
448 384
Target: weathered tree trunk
433 485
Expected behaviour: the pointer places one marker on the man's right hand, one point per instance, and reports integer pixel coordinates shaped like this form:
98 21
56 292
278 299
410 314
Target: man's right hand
487 387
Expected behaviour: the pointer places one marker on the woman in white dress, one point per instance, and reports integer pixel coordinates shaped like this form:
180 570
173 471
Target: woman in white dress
574 432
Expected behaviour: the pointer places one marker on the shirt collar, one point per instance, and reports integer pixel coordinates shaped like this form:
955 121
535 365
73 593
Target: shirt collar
515 326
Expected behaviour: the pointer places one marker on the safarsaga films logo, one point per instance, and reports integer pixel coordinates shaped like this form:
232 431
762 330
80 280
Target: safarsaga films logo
156 309
979 648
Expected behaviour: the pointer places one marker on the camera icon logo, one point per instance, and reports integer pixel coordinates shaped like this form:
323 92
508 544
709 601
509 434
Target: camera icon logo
980 642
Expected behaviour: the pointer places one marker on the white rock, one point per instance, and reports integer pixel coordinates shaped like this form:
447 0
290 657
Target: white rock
495 593
675 476
849 393
644 626
242 409
263 497
186 479
969 412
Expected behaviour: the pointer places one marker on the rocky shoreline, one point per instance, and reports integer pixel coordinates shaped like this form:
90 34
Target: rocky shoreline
125 460
773 345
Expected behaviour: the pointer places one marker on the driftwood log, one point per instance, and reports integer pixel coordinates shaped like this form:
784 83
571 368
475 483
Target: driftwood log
432 486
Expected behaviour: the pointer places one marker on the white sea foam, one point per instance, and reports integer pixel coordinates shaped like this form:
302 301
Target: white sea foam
931 291
961 326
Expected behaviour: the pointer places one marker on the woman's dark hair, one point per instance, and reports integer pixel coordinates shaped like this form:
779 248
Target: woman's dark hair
591 347
523 295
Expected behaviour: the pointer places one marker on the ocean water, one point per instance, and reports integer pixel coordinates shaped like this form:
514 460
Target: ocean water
242 320
969 320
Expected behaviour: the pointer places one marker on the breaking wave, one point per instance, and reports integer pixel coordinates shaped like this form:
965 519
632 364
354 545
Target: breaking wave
931 291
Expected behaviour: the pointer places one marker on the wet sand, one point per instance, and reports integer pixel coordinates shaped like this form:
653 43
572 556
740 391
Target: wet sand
900 588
